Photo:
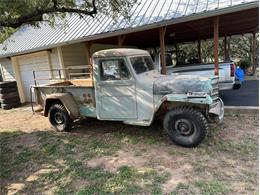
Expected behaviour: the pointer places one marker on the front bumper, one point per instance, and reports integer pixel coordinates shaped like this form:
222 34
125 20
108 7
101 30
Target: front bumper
217 109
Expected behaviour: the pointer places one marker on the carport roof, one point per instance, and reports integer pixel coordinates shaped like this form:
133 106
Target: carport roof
145 14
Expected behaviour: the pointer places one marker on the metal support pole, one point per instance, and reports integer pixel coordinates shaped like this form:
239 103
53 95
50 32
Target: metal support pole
34 78
216 39
225 49
228 48
162 49
59 73
253 53
199 50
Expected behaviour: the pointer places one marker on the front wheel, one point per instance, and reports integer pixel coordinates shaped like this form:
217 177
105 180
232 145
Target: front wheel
59 117
185 126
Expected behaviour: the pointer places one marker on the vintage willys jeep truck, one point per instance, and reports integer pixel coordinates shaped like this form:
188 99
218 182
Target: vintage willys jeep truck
126 87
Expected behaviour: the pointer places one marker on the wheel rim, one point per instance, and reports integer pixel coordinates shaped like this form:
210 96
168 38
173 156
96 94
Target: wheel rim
184 127
59 119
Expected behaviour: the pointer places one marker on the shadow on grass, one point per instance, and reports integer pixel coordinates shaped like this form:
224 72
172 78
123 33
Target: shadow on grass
153 134
48 161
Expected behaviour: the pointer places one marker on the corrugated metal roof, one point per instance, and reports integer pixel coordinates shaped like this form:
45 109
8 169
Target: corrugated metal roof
144 14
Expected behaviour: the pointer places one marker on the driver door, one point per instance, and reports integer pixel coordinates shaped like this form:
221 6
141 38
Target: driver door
115 91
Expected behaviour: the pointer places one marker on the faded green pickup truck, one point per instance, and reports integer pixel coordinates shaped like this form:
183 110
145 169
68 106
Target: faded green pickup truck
126 87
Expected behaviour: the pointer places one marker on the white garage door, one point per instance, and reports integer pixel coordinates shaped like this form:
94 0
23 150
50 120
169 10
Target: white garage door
27 65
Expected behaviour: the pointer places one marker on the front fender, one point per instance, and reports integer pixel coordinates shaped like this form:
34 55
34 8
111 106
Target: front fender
193 100
181 98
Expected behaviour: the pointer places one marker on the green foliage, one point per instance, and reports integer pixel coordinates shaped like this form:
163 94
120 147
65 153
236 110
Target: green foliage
212 187
240 51
16 13
244 63
5 33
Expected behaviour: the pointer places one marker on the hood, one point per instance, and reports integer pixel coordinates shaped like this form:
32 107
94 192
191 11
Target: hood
182 84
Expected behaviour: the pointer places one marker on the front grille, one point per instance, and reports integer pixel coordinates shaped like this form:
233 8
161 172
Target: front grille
215 91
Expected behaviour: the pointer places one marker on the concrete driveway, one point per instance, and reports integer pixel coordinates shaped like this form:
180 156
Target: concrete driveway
247 95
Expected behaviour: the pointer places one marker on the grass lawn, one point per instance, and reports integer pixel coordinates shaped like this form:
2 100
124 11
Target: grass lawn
99 157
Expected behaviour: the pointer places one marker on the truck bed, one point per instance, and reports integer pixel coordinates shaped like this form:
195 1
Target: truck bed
82 91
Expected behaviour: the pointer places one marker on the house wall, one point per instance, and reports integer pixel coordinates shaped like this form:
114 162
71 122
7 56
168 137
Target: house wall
74 55
7 69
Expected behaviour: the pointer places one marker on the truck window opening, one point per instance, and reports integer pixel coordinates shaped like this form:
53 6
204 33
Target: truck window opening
142 64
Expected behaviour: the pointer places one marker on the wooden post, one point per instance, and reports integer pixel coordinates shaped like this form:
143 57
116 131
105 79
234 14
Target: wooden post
199 50
253 54
18 79
216 38
61 60
89 58
162 49
120 40
50 65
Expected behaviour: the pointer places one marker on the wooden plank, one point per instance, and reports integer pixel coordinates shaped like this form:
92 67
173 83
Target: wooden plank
82 82
18 78
162 31
216 39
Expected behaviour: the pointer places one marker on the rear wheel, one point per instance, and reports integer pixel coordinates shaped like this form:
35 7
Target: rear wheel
59 118
185 126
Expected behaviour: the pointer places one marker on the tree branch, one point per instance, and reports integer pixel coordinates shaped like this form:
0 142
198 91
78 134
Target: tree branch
37 15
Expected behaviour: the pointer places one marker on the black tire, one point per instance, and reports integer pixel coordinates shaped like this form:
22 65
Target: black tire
236 86
8 84
8 90
185 126
9 95
10 106
10 100
59 118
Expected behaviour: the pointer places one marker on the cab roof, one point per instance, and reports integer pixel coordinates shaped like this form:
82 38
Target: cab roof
120 52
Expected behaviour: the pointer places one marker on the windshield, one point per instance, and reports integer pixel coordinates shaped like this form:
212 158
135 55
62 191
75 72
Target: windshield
142 64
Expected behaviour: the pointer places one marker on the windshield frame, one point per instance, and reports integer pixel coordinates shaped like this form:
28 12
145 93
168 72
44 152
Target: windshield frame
143 59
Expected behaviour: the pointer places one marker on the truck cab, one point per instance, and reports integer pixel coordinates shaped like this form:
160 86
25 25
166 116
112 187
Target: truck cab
127 87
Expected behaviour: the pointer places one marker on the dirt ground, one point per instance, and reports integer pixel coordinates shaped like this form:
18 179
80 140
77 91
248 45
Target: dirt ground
99 157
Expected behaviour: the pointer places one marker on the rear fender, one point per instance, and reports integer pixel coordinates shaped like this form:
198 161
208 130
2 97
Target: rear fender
66 99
